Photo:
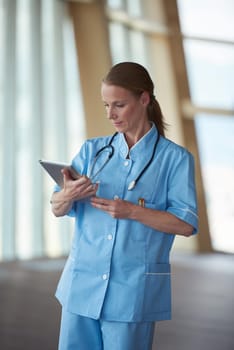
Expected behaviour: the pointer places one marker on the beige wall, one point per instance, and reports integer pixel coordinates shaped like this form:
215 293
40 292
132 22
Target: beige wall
94 60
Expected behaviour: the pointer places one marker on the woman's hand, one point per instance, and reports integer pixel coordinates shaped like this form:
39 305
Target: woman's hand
72 190
117 208
77 189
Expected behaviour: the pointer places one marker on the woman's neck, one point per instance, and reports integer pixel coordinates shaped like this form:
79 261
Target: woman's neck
133 138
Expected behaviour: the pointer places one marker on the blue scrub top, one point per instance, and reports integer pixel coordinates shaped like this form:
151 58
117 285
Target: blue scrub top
118 269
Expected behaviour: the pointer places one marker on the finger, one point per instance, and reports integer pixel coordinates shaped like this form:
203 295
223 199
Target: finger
94 188
84 191
66 174
90 188
99 205
83 180
99 200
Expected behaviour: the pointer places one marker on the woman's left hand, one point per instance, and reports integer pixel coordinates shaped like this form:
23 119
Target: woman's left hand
117 208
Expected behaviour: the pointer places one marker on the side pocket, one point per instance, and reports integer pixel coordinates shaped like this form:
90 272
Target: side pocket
157 288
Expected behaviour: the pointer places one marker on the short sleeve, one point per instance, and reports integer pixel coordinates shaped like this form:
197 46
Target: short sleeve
182 201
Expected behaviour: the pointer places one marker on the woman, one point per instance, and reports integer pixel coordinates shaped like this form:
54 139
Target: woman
136 193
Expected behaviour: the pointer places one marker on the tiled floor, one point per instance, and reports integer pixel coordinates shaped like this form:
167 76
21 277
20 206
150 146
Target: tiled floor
203 305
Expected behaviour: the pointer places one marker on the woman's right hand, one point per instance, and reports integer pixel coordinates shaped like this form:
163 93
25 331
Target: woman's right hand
72 190
77 189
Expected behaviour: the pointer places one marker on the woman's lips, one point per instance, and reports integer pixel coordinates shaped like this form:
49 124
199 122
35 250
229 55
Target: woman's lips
116 124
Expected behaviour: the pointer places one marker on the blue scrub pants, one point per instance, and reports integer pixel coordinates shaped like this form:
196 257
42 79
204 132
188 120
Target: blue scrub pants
83 333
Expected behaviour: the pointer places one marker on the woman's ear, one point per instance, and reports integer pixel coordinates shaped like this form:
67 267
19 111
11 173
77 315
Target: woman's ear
145 98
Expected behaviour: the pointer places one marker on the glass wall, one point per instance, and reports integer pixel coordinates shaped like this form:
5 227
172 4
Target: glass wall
41 111
209 53
216 144
41 116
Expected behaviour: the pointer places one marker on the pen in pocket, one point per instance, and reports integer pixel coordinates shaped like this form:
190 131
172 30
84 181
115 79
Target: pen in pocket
141 202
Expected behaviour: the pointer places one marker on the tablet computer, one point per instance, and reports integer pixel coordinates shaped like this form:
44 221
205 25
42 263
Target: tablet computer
54 170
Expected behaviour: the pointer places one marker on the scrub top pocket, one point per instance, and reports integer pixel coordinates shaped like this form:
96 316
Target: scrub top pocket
157 288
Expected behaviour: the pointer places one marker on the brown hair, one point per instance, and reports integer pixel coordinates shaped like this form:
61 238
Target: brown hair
135 78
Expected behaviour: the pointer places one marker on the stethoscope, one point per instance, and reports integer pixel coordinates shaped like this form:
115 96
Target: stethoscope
109 146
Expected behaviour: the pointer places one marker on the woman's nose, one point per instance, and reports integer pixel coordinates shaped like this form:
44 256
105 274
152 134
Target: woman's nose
111 113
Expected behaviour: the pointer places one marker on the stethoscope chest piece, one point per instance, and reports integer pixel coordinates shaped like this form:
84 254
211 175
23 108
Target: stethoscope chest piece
131 185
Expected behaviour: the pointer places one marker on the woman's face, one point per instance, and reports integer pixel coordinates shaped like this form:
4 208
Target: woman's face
127 112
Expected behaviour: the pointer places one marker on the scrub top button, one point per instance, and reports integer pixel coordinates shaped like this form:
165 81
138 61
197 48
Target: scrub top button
126 162
116 197
104 277
109 237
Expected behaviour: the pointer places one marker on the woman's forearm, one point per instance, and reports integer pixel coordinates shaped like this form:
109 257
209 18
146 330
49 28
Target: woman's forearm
60 205
161 221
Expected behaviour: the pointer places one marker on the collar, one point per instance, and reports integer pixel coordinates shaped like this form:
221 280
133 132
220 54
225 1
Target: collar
145 143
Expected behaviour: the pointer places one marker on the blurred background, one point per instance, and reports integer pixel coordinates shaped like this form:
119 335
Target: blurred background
53 55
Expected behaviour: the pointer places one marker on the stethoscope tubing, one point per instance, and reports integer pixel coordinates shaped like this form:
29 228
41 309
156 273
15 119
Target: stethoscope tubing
112 151
110 155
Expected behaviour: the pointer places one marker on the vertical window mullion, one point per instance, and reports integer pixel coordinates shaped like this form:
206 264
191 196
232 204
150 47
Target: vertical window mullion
9 135
61 110
38 243
59 81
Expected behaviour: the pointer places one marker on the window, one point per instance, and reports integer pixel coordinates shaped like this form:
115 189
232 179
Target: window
127 42
215 138
209 53
41 117
211 73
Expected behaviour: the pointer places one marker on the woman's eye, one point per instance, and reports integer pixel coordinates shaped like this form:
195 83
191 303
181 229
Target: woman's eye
119 105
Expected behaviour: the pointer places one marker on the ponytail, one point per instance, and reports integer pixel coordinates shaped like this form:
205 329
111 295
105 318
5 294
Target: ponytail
155 115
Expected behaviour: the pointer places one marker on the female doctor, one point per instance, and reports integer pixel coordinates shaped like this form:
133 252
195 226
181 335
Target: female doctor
135 194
